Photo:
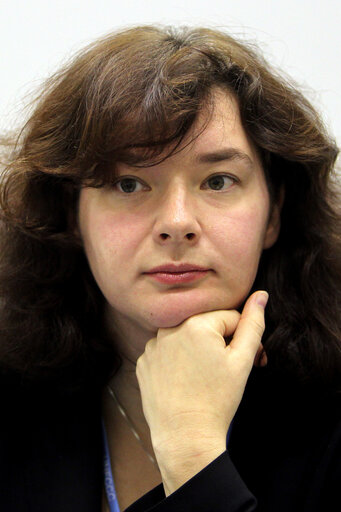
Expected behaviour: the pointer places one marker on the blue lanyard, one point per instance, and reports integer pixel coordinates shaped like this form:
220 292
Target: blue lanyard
108 478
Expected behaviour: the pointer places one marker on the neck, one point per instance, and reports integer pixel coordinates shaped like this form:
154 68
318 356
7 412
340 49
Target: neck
121 428
130 344
126 388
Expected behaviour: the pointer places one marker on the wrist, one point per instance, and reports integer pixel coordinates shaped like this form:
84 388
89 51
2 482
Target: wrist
181 463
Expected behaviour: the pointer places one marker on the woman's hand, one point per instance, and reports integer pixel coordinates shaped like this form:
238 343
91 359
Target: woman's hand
191 382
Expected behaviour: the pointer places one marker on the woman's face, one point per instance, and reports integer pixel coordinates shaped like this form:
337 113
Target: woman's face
206 206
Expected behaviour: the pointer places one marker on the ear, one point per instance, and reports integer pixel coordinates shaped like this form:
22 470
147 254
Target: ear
274 223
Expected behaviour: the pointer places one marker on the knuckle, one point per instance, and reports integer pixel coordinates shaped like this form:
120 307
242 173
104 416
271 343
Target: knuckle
139 363
195 324
191 322
148 347
162 331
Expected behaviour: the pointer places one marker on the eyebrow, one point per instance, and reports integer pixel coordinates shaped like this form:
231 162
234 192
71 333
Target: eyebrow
225 154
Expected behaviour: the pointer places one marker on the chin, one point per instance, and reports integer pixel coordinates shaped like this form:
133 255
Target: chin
171 317
173 311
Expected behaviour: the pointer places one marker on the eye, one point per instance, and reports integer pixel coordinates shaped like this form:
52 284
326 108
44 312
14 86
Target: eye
219 182
128 185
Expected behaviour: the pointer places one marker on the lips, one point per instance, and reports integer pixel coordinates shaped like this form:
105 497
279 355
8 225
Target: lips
171 274
172 268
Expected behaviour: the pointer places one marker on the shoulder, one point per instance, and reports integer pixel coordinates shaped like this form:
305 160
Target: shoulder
50 445
286 443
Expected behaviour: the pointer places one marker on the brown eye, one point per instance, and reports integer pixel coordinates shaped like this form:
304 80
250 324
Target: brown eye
128 185
219 182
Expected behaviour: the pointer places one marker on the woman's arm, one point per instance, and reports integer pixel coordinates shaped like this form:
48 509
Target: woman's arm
216 488
191 384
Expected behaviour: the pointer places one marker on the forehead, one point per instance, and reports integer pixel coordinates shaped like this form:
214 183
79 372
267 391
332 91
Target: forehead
216 135
223 130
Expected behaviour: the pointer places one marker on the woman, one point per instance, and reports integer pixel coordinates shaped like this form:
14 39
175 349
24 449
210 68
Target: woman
166 182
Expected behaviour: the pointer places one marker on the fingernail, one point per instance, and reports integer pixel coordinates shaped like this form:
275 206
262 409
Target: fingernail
262 299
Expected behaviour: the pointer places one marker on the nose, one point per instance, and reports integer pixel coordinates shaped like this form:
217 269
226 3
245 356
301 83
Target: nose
177 220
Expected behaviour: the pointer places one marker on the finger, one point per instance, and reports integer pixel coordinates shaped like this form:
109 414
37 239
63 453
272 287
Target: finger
250 329
222 322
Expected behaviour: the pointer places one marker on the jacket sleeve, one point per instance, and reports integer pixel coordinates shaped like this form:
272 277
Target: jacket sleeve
217 487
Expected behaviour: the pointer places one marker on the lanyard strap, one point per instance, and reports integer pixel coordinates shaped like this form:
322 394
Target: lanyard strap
108 478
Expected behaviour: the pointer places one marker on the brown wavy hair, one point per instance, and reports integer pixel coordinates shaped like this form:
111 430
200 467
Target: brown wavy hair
130 97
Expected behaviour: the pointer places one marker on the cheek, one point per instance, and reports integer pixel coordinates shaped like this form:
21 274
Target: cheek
241 235
118 234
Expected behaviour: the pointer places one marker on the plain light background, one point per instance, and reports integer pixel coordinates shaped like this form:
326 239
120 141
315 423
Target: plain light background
299 36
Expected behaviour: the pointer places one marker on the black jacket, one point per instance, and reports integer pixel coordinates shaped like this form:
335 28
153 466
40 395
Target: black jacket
284 453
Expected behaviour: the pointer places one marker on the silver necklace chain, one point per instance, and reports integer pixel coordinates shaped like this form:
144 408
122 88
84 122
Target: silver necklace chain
130 424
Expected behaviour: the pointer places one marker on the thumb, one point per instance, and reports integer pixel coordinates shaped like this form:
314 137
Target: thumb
250 329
